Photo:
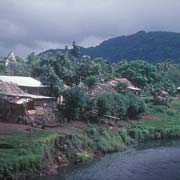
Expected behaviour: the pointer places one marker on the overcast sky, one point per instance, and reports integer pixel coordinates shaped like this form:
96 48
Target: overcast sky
37 25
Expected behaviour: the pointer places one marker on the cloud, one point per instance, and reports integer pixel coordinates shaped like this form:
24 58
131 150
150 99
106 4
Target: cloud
90 41
37 25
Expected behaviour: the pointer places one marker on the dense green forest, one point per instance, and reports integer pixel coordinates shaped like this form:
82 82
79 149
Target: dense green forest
65 69
150 46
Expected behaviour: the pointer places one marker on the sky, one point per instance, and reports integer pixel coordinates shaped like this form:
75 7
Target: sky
36 25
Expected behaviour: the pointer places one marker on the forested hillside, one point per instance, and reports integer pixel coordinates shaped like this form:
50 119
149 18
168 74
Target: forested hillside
150 46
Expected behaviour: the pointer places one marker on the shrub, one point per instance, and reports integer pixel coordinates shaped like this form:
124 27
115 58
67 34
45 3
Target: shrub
156 88
90 80
121 88
77 102
112 104
118 105
135 105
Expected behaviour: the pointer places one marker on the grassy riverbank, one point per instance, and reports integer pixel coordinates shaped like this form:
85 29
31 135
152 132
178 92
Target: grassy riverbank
23 153
33 152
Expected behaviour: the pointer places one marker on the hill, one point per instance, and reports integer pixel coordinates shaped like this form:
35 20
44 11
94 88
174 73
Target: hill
151 46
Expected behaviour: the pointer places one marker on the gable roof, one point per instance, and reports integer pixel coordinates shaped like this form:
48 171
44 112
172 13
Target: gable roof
116 81
22 81
10 58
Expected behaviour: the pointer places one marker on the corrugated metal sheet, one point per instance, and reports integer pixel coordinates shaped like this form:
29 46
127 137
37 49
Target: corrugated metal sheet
22 81
25 95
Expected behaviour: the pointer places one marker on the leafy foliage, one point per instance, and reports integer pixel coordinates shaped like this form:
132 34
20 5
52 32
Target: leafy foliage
151 46
77 102
140 73
119 105
49 78
90 80
121 88
136 106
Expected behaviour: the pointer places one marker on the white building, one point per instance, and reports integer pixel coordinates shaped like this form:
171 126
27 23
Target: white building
11 58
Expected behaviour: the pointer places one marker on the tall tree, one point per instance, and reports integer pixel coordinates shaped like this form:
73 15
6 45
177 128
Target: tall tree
75 52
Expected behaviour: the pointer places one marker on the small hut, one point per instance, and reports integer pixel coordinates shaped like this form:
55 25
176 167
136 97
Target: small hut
100 88
128 83
18 106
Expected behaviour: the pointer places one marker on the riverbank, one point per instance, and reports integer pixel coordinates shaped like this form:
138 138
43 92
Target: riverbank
157 160
39 152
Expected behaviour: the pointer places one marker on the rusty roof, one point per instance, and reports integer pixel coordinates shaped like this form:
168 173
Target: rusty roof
8 87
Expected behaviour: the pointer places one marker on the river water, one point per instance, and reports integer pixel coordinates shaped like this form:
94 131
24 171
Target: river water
148 161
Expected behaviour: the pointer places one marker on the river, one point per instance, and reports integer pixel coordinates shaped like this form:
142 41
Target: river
147 161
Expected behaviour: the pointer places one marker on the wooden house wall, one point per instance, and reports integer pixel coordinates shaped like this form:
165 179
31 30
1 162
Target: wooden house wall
44 91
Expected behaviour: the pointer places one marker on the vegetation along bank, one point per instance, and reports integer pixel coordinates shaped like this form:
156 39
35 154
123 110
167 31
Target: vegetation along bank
27 152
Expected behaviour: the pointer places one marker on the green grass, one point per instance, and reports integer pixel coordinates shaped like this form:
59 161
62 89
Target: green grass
106 140
165 123
166 117
21 153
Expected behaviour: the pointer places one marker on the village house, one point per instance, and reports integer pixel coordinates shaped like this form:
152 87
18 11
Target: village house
129 84
100 88
28 84
18 106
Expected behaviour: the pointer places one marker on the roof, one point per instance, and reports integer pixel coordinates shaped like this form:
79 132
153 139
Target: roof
13 94
116 81
22 81
18 100
134 88
100 88
26 95
7 87
10 58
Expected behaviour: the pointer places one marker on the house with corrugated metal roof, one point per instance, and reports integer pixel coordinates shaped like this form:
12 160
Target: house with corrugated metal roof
19 106
28 84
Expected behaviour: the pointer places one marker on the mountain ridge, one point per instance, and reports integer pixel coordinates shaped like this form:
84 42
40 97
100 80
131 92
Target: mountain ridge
154 46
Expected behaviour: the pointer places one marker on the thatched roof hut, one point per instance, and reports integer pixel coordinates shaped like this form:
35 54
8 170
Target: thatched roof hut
15 104
116 81
100 88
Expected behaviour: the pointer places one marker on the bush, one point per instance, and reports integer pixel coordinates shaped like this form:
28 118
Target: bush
156 88
118 105
77 102
111 103
135 105
121 88
90 80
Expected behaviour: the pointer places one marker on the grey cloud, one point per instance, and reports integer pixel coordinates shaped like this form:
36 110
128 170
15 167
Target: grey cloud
36 25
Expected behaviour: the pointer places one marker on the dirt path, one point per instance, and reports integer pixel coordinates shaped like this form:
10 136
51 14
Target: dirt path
8 127
72 127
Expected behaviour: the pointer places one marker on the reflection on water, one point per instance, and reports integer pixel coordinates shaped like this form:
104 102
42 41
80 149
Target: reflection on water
158 160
